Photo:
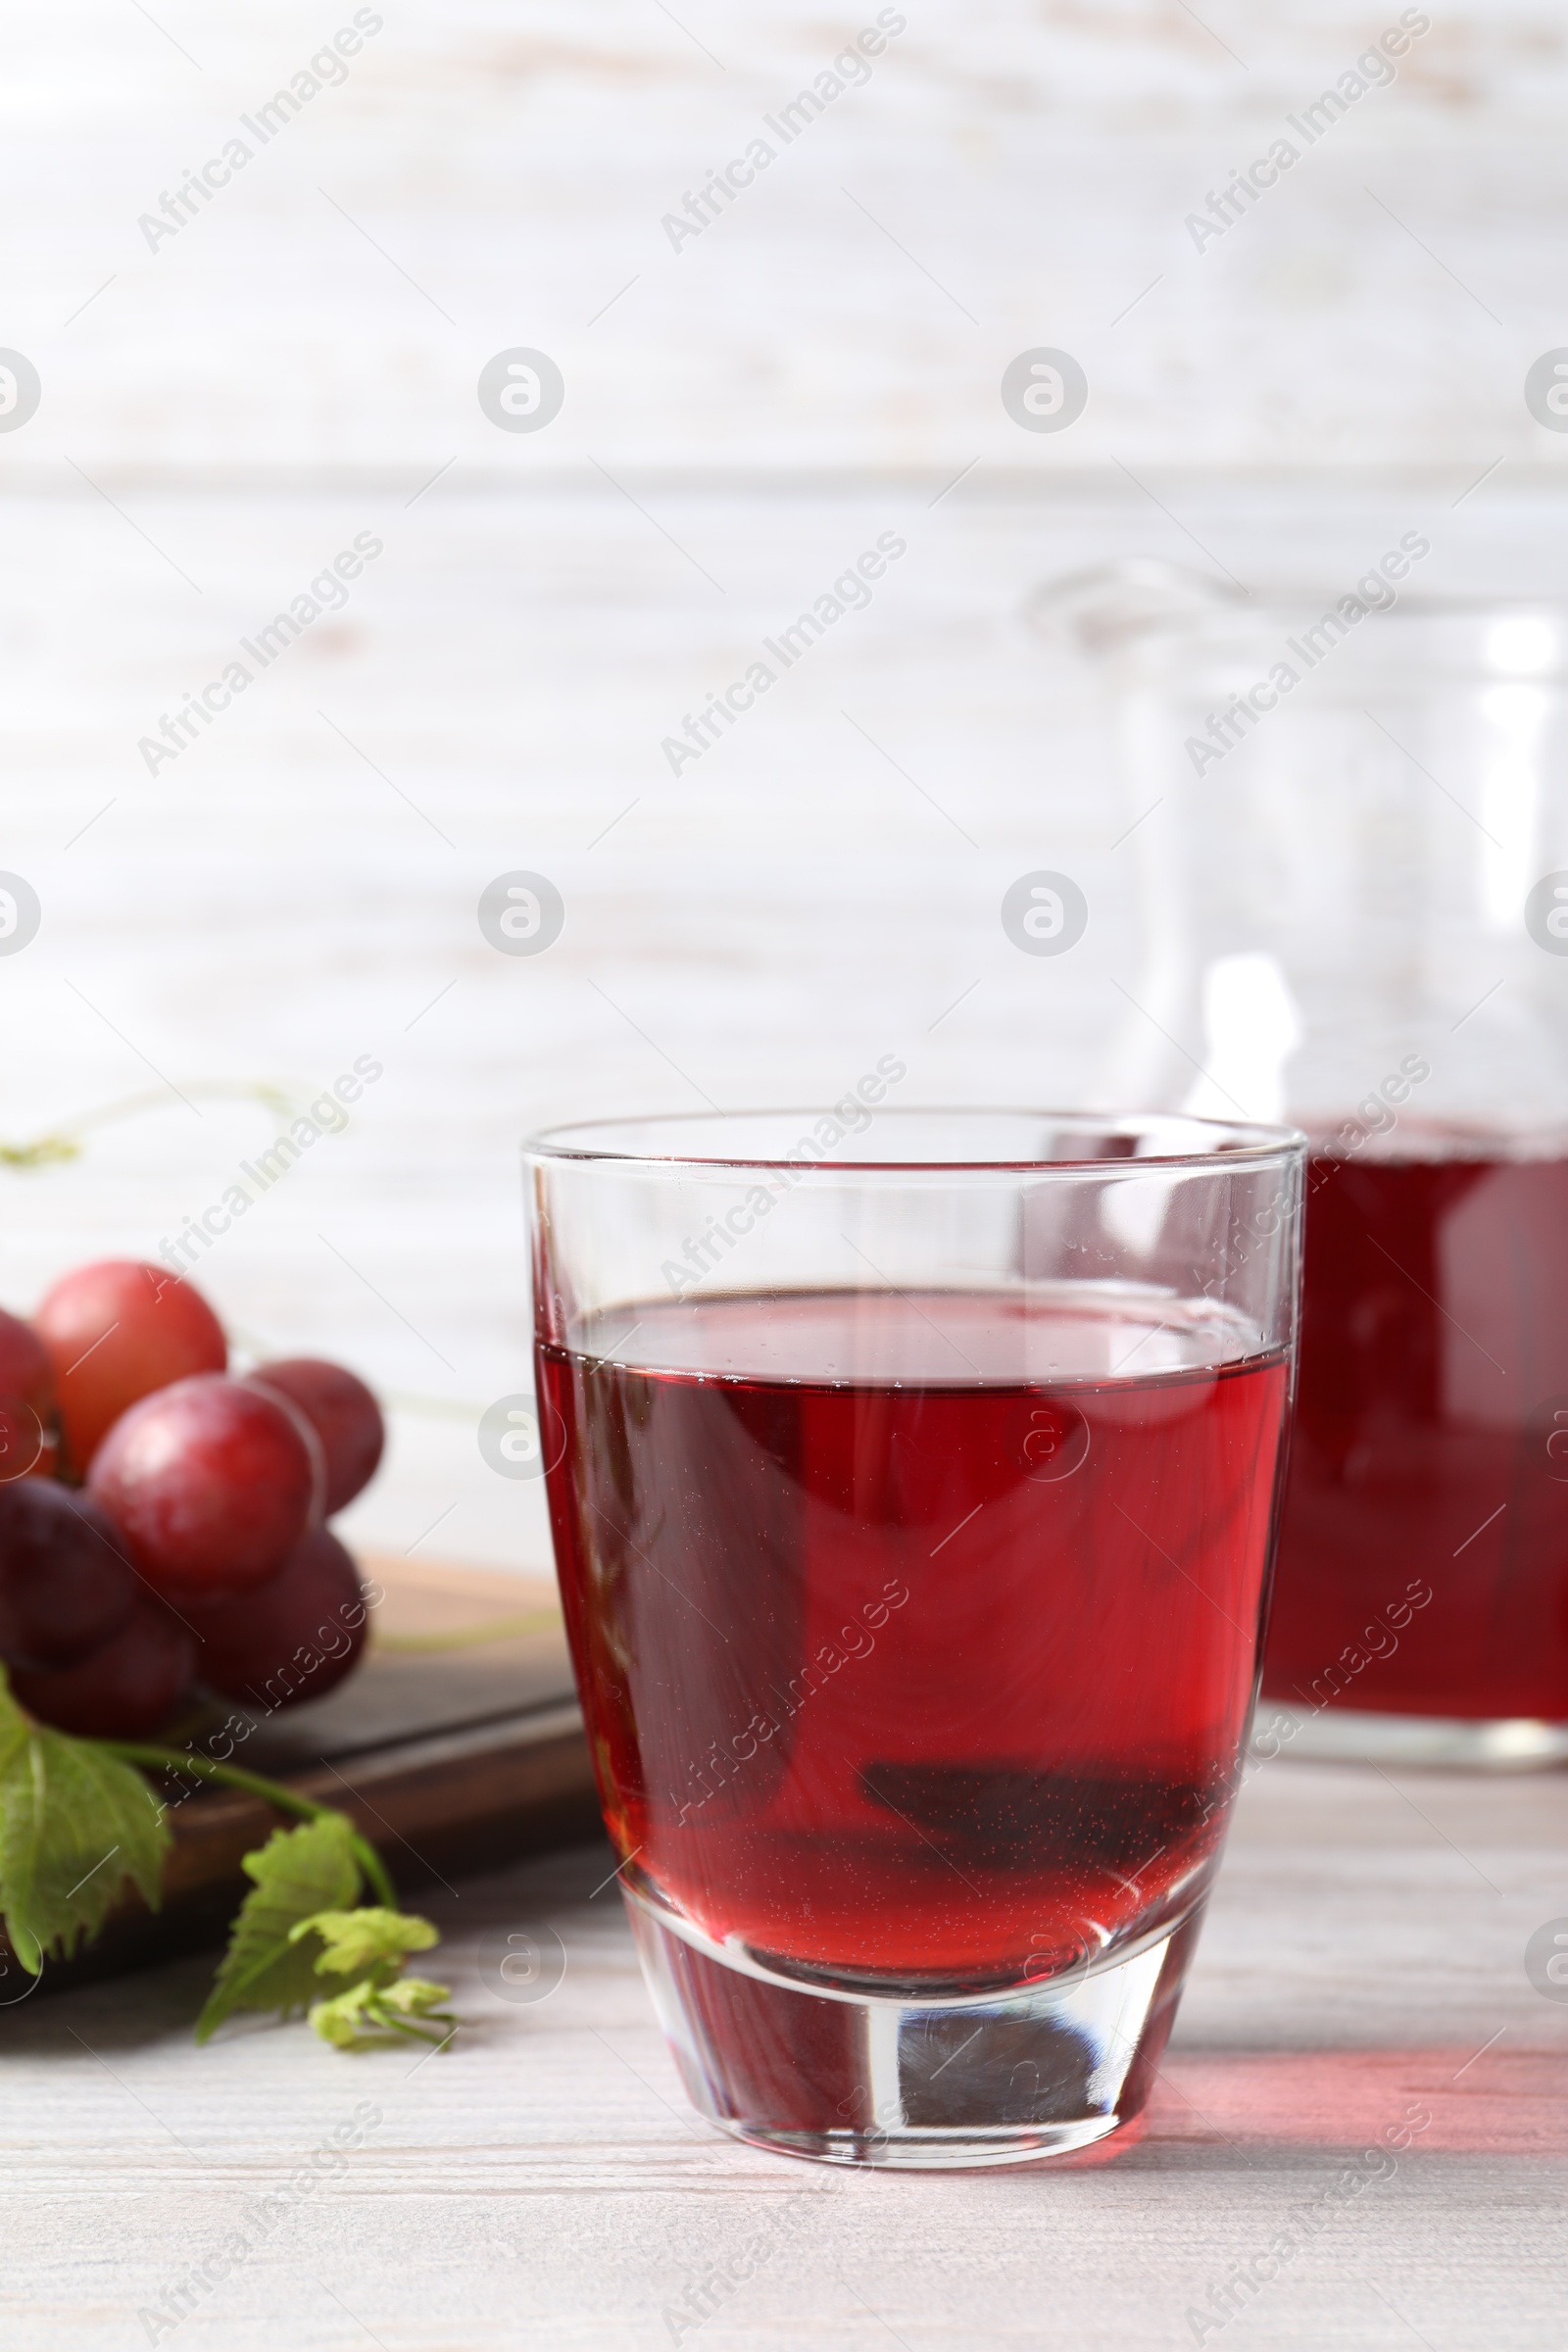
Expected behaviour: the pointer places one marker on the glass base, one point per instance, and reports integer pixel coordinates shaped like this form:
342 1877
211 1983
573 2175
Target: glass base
931 2151
915 2080
1361 1735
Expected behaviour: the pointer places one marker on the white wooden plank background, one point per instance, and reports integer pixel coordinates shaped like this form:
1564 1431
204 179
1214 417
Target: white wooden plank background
220 416
1035 160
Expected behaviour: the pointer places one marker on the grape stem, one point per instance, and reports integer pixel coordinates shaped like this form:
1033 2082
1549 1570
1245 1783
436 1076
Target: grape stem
272 1792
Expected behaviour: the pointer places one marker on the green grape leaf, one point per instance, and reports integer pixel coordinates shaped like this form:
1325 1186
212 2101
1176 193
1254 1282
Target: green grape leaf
298 1873
357 1940
75 1825
368 2013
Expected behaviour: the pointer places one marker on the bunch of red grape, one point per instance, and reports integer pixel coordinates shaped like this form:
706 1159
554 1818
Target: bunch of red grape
161 1523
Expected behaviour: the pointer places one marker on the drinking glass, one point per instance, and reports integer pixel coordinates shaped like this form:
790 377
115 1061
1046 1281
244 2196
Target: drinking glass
913 1478
1355 917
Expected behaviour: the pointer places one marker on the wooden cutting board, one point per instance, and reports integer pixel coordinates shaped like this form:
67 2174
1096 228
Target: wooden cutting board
456 1746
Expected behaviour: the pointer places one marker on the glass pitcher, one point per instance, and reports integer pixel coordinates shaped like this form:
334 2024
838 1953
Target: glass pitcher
1353 834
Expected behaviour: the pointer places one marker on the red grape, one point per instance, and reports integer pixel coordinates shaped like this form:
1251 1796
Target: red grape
343 1414
291 1639
116 1330
28 1441
66 1585
210 1483
122 1691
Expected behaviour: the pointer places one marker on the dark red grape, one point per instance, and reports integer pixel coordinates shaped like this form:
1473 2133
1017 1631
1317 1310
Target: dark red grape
123 1690
343 1414
28 1437
66 1585
210 1483
116 1330
291 1639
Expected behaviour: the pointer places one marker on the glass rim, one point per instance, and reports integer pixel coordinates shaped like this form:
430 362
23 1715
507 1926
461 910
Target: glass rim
1190 598
1213 1144
1416 604
1134 607
1407 627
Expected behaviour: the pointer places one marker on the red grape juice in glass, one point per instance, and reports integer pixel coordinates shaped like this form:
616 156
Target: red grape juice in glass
916 1668
1423 1558
914 1542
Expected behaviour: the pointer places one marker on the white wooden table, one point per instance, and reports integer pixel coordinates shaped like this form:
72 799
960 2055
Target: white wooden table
544 2182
